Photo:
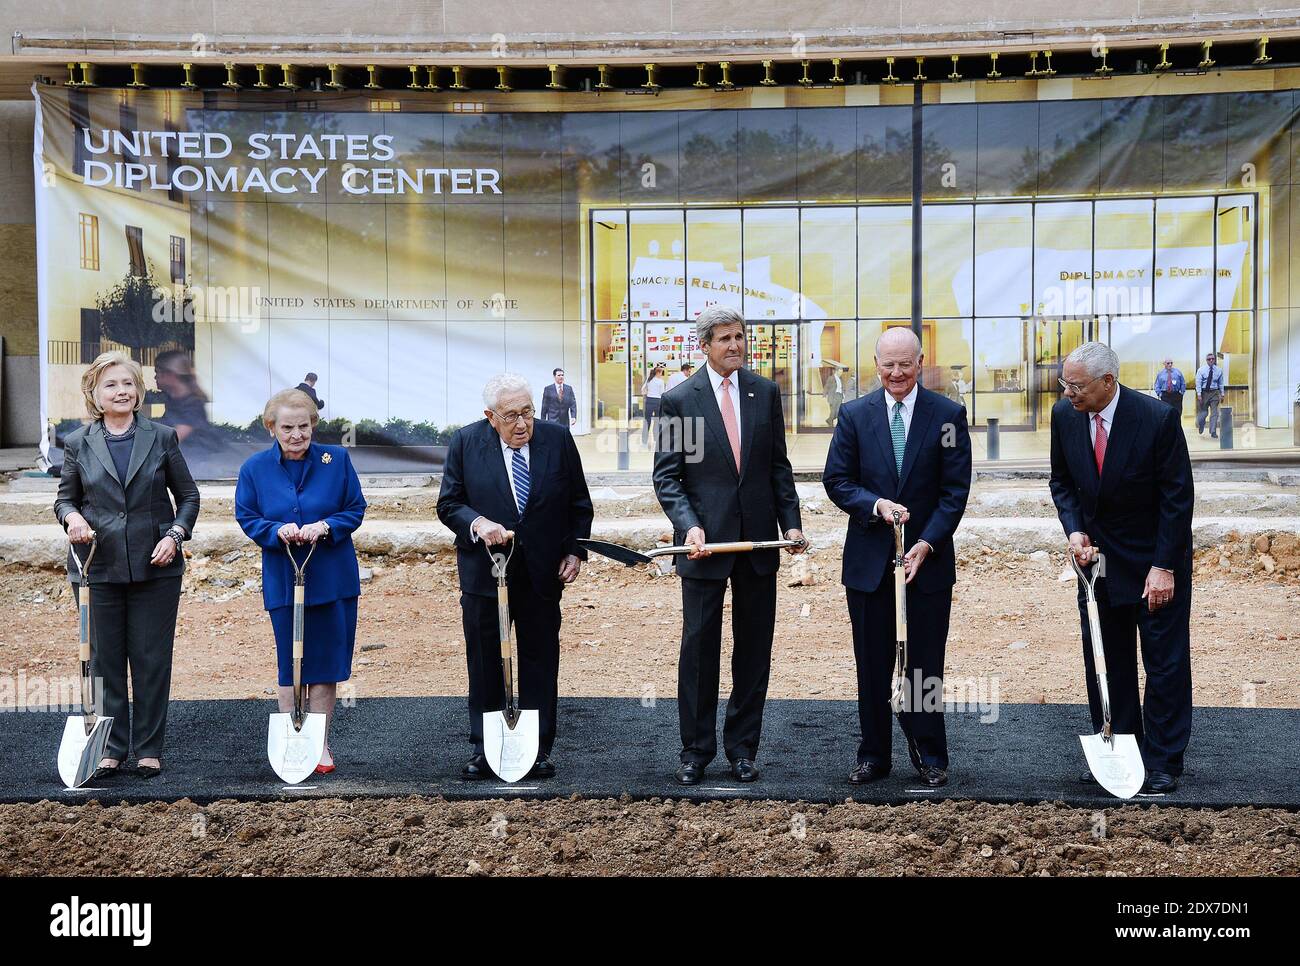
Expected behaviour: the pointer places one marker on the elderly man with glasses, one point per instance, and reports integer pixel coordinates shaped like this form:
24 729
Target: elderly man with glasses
512 472
1122 484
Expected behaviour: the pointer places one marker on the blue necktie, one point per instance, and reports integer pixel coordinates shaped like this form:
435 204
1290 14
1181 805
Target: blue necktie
519 469
899 433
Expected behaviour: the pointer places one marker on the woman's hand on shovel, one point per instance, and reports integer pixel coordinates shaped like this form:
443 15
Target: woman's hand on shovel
79 530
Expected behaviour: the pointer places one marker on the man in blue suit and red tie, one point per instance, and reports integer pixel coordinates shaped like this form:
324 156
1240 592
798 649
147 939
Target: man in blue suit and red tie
512 472
901 448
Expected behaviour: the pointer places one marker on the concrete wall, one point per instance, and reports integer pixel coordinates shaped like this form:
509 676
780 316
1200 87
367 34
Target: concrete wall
558 29
20 407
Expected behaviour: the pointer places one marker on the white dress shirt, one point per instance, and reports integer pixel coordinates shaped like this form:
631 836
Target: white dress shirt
733 390
1107 418
676 379
507 454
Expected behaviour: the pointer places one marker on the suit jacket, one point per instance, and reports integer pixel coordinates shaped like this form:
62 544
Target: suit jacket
554 409
265 500
934 486
128 516
558 512
1139 511
310 390
758 503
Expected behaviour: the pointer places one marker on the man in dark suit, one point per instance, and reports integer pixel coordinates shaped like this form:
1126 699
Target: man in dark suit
901 448
721 474
510 472
308 385
558 401
1122 485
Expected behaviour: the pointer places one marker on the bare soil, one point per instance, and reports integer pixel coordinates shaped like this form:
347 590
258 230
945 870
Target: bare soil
422 836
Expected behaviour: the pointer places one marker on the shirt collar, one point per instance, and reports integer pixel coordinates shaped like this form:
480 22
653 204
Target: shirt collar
1108 414
909 401
716 380
507 449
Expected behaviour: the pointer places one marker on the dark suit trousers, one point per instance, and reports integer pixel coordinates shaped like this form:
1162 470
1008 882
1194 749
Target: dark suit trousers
753 618
537 640
872 616
1163 722
133 626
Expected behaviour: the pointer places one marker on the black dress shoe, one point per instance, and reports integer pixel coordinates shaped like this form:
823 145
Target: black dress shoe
744 770
690 773
103 774
933 777
544 768
148 771
477 767
868 772
1159 783
1087 778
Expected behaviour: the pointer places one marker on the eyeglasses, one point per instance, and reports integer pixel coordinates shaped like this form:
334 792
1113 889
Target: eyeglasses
525 414
1072 388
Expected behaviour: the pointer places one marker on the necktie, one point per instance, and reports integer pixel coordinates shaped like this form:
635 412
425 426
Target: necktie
519 470
1099 443
729 420
899 434
1209 380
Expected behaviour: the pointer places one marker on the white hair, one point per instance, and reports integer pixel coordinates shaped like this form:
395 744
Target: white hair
711 318
889 334
1097 359
503 384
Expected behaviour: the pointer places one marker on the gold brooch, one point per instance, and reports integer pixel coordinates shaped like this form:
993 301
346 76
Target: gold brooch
325 457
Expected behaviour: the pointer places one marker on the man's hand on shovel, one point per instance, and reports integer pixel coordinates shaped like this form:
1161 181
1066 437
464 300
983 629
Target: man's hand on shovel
1082 548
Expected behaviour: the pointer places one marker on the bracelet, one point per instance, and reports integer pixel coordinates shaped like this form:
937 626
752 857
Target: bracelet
177 537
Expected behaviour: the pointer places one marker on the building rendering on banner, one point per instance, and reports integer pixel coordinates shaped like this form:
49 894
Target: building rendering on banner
404 240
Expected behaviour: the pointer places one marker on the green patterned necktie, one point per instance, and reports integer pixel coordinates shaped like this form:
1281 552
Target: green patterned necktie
899 434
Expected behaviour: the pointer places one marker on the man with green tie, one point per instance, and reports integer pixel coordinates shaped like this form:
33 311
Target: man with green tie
901 449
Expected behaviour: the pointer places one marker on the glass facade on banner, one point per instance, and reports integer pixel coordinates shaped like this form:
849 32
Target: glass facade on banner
1008 290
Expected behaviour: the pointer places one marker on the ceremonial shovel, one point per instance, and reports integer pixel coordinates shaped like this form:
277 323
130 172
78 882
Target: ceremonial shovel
1115 760
898 682
510 737
626 555
295 740
85 735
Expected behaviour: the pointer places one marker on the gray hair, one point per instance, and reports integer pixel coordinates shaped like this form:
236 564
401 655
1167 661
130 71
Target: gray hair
711 318
503 384
1097 359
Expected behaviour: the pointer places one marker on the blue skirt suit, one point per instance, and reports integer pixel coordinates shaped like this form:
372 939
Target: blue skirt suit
273 491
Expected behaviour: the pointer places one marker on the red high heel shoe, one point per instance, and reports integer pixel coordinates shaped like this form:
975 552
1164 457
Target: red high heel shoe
324 769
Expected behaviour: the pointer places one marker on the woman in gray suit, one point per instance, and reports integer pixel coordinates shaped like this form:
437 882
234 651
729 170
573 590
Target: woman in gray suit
114 486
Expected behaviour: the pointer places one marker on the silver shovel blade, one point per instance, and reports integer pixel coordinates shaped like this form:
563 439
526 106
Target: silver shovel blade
295 754
1116 764
511 752
81 753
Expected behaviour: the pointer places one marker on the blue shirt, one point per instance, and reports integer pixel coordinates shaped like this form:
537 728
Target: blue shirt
267 497
1215 383
1171 380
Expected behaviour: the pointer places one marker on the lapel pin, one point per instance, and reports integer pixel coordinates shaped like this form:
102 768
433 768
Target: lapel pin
325 457
750 395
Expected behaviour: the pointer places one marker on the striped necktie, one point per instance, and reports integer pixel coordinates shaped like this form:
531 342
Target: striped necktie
899 433
519 470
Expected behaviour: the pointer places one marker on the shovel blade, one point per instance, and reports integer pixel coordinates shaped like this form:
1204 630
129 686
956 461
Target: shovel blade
80 753
511 752
1117 764
295 754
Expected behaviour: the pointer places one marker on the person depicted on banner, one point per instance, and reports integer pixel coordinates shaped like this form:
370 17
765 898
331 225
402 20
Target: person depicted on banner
901 449
1170 385
680 376
299 495
184 403
308 386
1122 484
113 488
653 390
833 388
1209 393
511 472
721 474
559 401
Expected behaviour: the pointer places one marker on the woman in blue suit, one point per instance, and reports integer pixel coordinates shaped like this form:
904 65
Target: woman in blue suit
298 492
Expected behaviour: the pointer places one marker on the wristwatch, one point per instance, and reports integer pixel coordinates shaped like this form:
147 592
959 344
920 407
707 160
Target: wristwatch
325 524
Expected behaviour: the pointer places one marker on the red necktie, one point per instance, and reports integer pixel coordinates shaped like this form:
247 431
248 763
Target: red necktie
1099 443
